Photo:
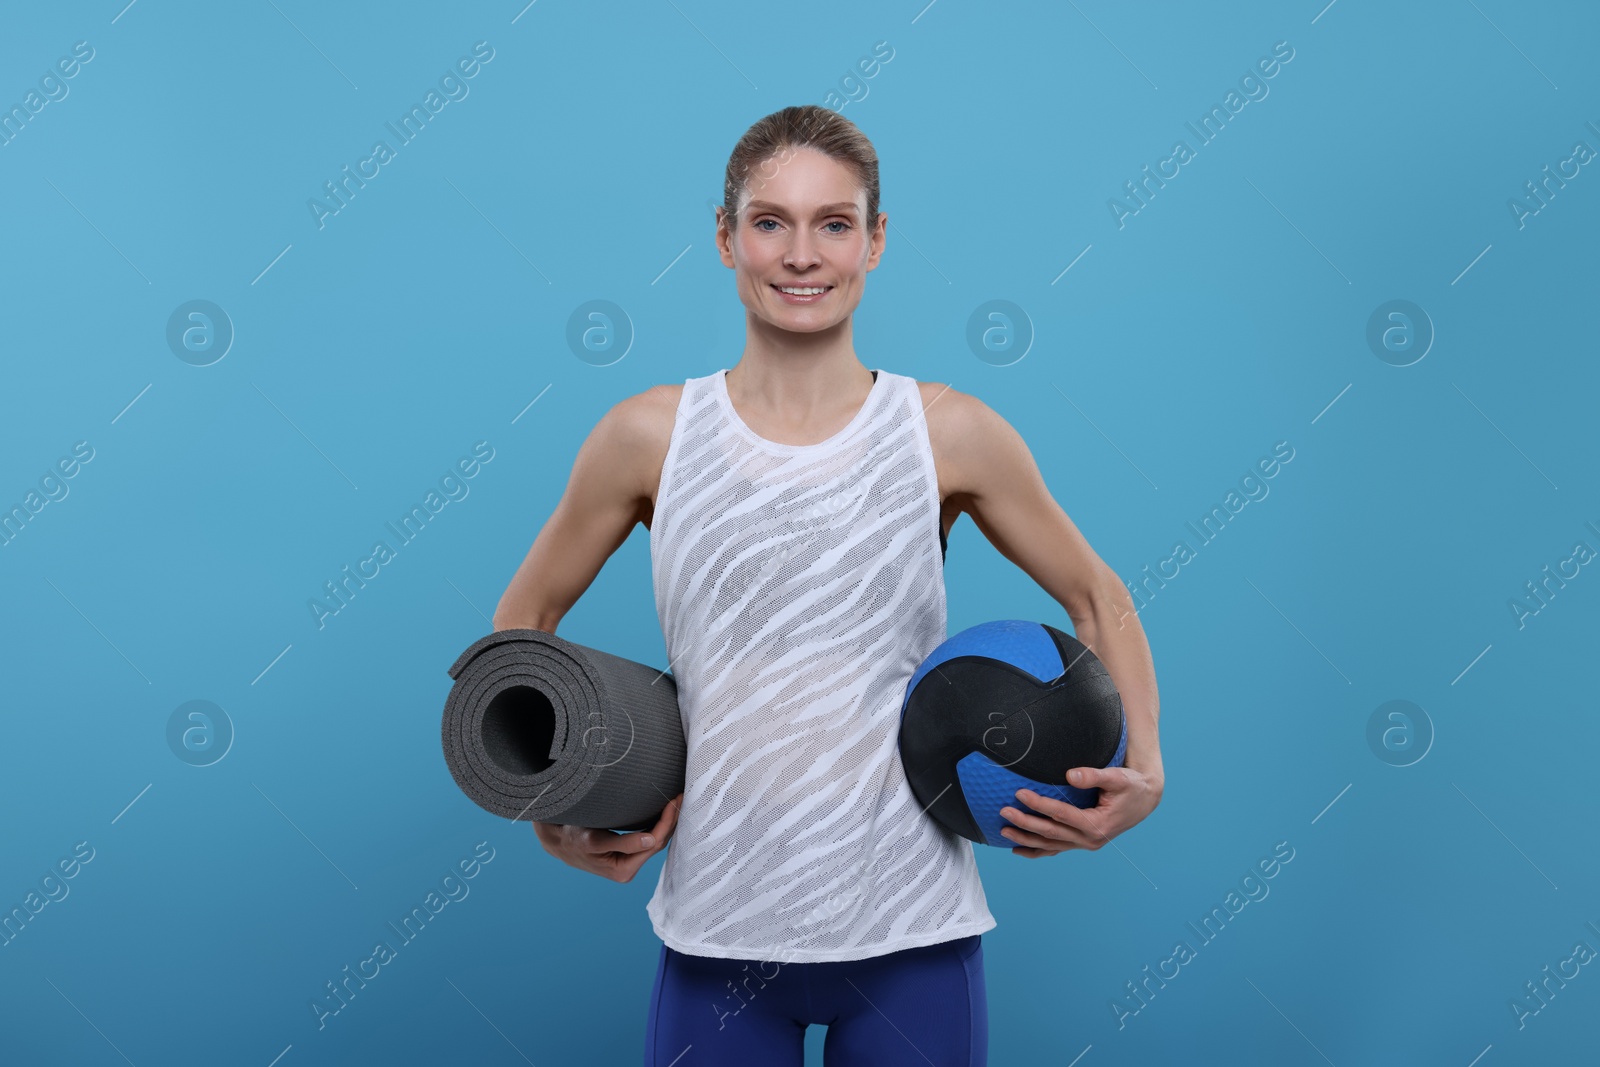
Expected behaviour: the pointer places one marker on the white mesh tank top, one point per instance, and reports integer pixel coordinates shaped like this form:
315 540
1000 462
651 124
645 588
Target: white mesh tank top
799 587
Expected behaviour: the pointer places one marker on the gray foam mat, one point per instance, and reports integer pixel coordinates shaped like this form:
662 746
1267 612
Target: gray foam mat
541 729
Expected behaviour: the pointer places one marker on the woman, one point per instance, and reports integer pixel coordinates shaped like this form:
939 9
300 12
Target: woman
798 507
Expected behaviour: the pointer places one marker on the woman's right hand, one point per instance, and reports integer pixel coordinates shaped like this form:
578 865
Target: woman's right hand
606 852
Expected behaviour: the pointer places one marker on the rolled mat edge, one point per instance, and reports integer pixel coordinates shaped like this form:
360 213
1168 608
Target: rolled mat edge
616 752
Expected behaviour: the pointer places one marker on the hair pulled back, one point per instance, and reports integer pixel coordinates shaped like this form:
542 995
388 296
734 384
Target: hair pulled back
802 126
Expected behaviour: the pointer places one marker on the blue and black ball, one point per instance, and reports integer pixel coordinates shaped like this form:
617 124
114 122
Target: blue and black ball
1003 706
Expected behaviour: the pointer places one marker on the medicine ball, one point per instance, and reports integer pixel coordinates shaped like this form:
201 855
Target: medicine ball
1003 706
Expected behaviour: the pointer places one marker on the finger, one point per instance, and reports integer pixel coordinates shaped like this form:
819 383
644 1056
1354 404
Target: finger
1051 834
630 843
1032 853
1038 804
1097 777
604 842
625 867
1055 829
1037 841
632 863
1086 821
607 867
551 835
669 816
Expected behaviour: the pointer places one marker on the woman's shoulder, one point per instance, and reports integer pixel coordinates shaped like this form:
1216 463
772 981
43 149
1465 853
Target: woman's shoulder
968 436
646 418
630 440
948 410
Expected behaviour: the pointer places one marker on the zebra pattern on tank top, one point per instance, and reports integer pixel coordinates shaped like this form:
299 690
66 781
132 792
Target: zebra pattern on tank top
799 587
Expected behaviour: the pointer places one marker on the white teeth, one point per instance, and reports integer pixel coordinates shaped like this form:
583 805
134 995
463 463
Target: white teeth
797 291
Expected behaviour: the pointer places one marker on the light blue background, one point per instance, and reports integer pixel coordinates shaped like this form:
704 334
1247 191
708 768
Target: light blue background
1230 313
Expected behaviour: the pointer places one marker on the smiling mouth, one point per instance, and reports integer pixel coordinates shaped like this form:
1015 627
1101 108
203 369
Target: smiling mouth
803 290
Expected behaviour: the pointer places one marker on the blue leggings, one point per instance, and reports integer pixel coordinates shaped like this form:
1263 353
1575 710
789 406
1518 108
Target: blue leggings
914 1007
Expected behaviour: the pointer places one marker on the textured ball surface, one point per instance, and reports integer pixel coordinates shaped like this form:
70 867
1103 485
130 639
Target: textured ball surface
1003 706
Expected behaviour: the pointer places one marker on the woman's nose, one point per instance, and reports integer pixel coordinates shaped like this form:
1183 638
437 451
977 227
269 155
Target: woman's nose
802 252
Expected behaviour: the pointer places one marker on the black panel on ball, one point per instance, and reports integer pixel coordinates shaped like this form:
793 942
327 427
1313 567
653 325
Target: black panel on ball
1037 729
946 718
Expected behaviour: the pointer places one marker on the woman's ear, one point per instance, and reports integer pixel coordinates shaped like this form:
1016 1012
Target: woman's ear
724 238
880 233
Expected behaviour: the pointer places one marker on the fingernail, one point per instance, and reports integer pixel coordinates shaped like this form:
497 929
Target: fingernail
647 840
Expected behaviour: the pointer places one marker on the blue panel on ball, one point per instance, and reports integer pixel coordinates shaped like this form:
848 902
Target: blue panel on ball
1019 642
987 787
1122 744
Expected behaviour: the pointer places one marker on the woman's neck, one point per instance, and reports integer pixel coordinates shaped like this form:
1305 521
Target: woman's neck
801 381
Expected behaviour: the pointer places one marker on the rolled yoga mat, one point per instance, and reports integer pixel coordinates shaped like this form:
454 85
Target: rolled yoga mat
542 729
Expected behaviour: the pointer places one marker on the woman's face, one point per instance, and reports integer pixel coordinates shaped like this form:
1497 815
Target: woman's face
801 227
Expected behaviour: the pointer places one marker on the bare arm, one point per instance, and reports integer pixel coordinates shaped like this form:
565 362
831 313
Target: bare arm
994 478
612 486
610 489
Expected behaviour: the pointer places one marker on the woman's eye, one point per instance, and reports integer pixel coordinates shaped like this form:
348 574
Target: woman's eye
836 222
758 222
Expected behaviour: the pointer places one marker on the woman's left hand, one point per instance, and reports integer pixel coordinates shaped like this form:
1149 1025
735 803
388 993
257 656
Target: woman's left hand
1052 826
